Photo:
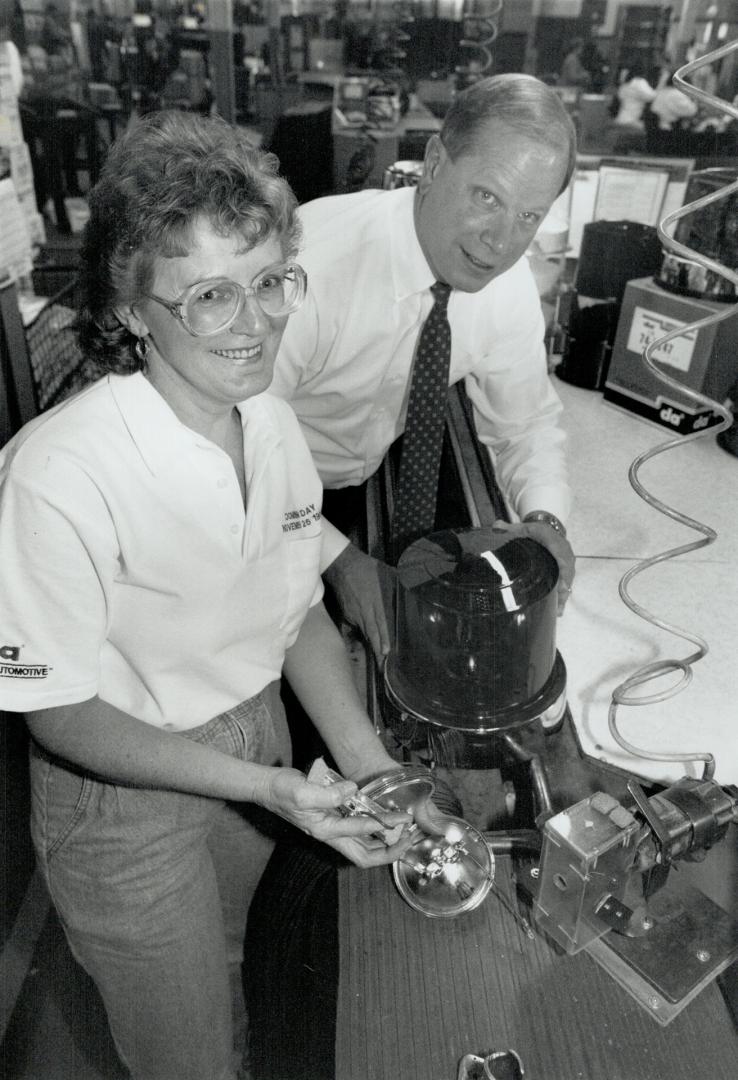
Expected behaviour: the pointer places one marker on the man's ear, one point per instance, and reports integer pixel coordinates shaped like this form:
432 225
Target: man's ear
435 155
132 321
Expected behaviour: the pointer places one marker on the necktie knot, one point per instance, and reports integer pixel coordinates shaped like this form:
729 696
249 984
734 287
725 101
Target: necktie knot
441 292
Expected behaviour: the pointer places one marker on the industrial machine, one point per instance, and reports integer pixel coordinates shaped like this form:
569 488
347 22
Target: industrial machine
602 886
476 682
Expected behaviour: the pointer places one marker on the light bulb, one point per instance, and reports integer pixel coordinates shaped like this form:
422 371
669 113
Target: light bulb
448 868
447 878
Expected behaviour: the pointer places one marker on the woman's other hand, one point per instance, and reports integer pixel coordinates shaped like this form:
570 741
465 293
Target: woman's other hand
364 589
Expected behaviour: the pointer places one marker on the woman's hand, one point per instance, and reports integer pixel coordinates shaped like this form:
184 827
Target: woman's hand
364 589
314 809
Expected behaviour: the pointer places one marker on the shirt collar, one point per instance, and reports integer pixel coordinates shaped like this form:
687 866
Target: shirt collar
156 430
410 270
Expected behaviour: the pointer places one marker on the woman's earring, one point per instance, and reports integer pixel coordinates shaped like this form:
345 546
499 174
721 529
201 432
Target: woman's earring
142 350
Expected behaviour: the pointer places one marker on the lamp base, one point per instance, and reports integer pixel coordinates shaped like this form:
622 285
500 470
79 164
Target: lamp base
480 722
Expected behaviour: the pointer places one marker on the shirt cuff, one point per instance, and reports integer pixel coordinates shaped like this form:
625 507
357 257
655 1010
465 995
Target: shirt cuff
556 501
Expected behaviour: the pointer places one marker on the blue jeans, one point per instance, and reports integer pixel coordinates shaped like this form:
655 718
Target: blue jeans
153 890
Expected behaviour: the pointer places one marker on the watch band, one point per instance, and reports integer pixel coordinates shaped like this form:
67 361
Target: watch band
547 519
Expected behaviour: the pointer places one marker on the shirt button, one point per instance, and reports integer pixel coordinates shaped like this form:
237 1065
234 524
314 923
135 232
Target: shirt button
234 529
222 482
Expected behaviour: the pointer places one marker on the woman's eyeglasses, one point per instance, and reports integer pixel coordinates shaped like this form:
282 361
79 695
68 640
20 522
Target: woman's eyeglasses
209 307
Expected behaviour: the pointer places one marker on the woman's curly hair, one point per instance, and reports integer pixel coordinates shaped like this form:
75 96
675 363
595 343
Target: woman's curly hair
168 169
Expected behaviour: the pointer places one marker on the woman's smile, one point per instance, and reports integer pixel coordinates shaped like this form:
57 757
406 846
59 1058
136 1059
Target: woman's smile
250 353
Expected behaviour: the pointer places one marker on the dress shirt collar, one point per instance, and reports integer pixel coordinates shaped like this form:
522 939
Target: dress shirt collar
410 270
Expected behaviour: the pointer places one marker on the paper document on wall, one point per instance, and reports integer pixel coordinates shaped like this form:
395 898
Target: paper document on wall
581 212
630 194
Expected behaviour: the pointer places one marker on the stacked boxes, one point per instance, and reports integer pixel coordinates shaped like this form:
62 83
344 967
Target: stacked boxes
11 132
21 173
17 167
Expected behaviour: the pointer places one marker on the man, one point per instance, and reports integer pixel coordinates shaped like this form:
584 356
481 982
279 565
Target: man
506 150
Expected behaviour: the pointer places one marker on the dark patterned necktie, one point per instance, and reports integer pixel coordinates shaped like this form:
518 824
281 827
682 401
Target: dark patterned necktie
420 460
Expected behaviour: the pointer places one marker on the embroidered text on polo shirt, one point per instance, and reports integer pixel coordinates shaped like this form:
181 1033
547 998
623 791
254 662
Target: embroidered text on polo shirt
300 519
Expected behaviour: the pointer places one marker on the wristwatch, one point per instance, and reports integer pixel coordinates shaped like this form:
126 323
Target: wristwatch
547 519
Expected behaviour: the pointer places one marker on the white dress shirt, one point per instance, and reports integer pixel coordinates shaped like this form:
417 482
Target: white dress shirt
129 568
670 105
346 356
633 96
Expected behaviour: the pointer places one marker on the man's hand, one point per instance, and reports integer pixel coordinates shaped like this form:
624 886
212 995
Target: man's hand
314 809
364 589
557 544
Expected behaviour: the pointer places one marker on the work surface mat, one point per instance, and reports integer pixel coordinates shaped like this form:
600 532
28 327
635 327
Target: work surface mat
416 994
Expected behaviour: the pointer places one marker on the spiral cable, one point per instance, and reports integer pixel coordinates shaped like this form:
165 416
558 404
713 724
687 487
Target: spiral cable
480 32
622 695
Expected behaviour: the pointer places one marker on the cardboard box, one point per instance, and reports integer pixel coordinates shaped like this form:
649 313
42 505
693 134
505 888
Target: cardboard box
704 360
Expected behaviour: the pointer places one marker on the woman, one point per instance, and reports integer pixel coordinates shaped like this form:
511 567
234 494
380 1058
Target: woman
160 542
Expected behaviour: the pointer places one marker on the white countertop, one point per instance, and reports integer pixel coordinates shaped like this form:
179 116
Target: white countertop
601 640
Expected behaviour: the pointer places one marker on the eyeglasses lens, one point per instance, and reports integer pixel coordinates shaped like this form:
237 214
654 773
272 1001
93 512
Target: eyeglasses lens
278 290
211 307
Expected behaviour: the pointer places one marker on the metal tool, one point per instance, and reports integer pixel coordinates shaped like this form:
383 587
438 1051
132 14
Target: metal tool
496 1065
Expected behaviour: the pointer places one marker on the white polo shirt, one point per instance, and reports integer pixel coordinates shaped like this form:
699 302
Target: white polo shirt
129 568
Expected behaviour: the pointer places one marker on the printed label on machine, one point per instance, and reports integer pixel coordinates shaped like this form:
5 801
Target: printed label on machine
647 326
